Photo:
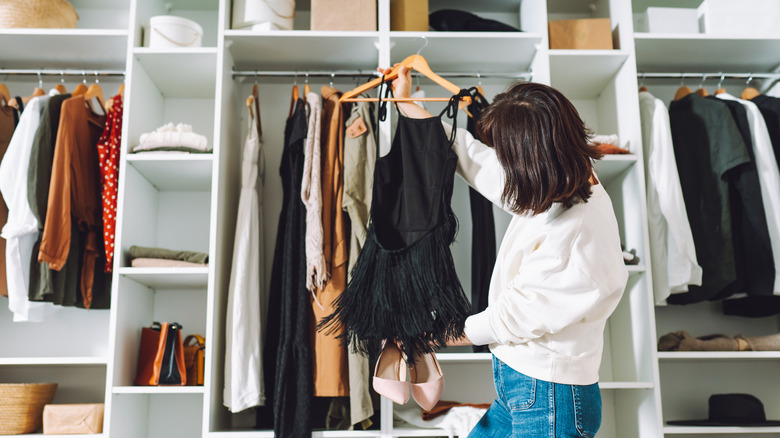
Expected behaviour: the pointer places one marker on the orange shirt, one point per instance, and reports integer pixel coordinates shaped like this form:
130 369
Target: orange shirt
74 192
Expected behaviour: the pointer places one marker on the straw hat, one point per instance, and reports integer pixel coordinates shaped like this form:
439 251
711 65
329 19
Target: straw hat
37 14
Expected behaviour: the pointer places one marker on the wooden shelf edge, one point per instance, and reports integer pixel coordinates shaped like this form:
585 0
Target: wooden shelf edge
65 32
645 36
301 33
152 390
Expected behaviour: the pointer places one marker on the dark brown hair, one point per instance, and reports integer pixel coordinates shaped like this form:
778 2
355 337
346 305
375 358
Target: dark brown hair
542 144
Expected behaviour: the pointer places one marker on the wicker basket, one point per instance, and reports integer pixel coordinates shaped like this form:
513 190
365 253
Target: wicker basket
38 14
21 406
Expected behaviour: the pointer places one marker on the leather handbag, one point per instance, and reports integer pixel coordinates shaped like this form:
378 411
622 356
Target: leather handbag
194 359
161 356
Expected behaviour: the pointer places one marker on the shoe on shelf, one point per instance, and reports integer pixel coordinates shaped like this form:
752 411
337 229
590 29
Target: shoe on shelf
427 380
390 374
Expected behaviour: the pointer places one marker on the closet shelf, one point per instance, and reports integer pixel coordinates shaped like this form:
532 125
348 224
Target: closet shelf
694 52
86 361
157 390
611 167
64 48
728 431
168 278
191 172
583 74
181 73
717 355
303 50
445 50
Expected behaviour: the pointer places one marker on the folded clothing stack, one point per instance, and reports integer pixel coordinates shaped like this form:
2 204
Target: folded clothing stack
607 144
683 341
173 138
150 257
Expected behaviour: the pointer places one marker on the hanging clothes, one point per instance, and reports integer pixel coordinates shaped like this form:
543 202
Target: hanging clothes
673 256
287 355
768 175
483 234
9 117
770 109
752 249
404 286
108 154
244 382
331 368
21 229
47 285
311 195
73 191
707 146
359 160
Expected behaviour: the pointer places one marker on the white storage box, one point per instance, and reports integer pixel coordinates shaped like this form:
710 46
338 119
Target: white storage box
743 17
667 20
263 14
170 32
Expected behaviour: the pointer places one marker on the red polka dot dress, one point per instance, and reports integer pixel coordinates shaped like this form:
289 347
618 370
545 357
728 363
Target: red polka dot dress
108 151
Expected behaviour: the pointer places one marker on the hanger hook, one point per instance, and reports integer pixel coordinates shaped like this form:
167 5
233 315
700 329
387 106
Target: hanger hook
479 79
306 81
83 77
97 77
642 79
425 45
332 75
682 79
358 77
720 81
40 80
62 76
295 79
749 79
703 78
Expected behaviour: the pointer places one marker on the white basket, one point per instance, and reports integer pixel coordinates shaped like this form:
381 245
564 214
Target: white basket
170 32
263 14
743 17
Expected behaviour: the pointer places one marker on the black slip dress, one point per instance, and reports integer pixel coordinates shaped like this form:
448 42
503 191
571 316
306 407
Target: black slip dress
404 286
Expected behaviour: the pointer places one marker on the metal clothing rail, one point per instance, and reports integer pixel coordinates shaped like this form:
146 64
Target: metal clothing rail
711 75
369 73
60 72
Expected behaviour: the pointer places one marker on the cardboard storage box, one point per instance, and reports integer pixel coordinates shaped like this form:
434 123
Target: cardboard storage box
82 418
667 20
588 33
743 17
343 15
409 15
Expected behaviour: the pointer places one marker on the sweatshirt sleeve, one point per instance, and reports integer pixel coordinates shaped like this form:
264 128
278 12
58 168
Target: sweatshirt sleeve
478 165
547 295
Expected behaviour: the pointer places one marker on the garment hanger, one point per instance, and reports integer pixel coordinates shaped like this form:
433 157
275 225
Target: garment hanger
306 87
61 86
720 89
95 91
682 91
82 87
256 99
749 92
479 84
642 83
120 93
249 104
294 95
702 91
38 91
5 94
415 62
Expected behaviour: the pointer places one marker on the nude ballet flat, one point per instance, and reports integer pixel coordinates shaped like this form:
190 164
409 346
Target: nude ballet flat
390 374
427 381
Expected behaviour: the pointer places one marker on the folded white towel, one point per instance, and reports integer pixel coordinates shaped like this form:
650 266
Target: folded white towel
173 135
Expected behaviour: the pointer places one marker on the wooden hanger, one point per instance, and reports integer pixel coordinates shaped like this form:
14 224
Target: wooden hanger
293 98
79 90
95 91
749 92
416 62
38 91
720 89
249 103
121 92
682 91
5 94
701 91
60 88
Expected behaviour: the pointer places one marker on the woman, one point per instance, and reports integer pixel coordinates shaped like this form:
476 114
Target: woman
559 272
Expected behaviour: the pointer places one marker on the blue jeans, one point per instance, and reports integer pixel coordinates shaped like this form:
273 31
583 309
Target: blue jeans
532 408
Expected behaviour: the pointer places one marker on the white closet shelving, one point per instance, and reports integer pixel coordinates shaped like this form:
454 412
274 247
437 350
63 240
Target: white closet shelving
189 202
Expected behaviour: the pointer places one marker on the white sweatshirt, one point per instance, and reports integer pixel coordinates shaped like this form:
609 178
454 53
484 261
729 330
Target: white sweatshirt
558 276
